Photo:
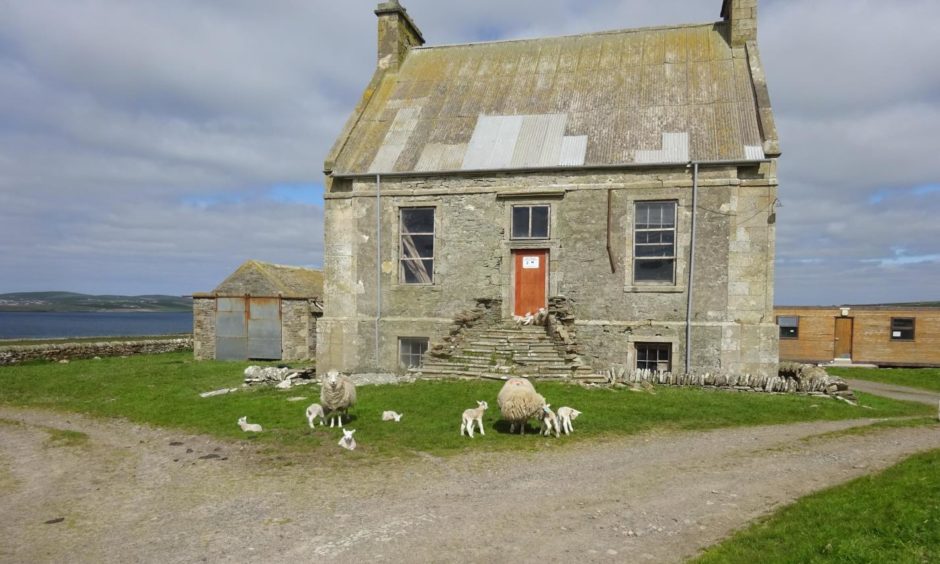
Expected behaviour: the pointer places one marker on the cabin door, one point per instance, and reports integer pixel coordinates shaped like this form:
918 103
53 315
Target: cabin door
248 328
842 347
530 276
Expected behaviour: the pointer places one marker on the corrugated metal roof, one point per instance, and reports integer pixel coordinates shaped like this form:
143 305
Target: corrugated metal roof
269 280
636 96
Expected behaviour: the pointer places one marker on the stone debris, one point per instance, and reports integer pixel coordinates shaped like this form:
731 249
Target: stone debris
221 392
282 377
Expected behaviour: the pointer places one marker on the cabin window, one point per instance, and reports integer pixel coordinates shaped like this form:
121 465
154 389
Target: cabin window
654 243
789 326
530 222
656 357
902 328
411 351
417 246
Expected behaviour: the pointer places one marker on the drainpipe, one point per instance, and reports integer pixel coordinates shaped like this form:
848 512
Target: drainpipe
378 262
688 310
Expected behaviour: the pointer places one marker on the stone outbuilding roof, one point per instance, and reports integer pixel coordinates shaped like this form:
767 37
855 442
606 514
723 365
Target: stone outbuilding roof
264 279
643 96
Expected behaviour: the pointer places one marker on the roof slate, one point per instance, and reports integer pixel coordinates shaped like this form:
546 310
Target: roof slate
269 280
654 95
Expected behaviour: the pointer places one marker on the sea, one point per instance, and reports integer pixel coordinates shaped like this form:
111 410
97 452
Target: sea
53 325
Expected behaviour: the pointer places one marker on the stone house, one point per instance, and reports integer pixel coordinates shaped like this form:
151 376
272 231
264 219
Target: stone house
629 175
261 311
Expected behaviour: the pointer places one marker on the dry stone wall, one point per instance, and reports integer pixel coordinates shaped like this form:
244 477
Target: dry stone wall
73 351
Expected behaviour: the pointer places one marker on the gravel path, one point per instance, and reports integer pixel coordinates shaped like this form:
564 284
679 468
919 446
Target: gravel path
135 493
894 391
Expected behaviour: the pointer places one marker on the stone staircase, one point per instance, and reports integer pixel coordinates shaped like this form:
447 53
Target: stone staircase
502 351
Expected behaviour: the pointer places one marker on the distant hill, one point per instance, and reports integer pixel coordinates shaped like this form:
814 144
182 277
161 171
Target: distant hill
69 301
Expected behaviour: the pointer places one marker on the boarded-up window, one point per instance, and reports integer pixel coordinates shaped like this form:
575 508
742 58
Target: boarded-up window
654 243
417 245
530 222
654 356
789 326
902 328
411 351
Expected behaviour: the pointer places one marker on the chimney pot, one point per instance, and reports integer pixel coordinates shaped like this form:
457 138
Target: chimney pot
397 34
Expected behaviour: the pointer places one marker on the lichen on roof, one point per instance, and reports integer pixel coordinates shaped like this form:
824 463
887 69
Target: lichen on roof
654 95
269 280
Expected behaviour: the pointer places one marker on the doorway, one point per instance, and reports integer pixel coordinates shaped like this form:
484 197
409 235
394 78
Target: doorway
530 275
842 347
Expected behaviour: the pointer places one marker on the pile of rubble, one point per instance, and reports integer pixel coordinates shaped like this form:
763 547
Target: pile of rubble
560 327
281 377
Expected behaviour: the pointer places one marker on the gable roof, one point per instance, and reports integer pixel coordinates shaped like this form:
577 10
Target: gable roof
655 95
265 279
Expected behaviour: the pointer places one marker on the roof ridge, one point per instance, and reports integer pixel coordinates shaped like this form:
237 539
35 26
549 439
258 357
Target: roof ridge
570 36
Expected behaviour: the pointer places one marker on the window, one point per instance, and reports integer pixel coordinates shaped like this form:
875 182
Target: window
654 356
411 351
654 243
902 328
530 222
417 246
789 326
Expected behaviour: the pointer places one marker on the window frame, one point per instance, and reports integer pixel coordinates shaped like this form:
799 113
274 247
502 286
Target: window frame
402 259
901 337
674 259
411 341
530 237
658 346
795 327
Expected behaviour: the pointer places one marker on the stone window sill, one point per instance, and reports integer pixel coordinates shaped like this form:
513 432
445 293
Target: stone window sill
652 288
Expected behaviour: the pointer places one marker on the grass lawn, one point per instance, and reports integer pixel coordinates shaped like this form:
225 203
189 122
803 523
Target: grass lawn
893 517
924 378
163 390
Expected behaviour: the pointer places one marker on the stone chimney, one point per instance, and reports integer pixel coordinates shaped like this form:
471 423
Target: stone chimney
741 16
397 34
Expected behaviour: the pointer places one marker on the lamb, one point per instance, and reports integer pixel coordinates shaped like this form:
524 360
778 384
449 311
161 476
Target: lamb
248 427
314 412
518 402
392 416
549 421
337 395
565 416
471 415
348 442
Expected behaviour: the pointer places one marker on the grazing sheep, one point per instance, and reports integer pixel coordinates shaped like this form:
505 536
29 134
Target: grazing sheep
548 421
518 402
348 442
391 416
471 415
565 416
337 394
314 412
248 427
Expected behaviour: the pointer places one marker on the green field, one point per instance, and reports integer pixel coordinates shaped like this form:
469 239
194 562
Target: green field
891 517
163 390
924 378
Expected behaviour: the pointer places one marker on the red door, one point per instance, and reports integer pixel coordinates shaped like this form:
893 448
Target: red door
530 273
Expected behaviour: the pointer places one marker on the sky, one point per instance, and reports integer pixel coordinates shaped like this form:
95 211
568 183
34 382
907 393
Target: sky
152 146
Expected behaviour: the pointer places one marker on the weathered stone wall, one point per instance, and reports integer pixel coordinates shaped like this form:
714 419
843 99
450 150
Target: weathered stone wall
72 351
298 330
204 328
733 326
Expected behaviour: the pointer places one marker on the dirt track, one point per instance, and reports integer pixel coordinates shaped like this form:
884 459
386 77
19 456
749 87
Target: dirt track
131 495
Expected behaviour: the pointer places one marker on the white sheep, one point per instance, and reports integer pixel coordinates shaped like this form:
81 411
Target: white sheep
548 421
348 442
518 402
391 416
471 415
565 416
248 427
314 412
337 394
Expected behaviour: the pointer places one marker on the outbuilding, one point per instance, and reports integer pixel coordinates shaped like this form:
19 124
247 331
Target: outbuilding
261 311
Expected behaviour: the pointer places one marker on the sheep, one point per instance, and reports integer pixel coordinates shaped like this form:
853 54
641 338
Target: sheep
248 427
518 402
471 415
392 416
565 416
337 394
548 421
314 412
348 442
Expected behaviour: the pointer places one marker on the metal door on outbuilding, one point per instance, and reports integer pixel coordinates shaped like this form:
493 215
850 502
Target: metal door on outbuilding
248 328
